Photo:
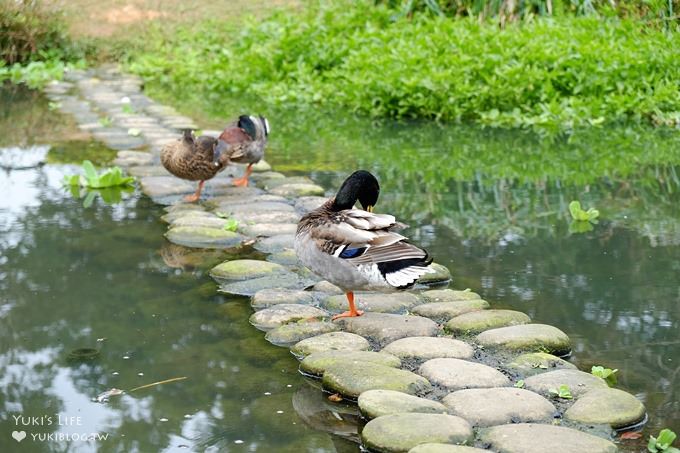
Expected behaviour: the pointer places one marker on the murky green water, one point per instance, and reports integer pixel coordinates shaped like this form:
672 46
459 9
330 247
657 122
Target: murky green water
490 206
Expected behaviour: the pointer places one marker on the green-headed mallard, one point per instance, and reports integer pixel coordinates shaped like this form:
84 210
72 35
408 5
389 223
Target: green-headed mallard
357 249
195 159
247 137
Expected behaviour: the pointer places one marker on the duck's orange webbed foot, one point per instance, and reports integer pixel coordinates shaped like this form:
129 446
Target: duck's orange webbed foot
353 312
243 180
195 196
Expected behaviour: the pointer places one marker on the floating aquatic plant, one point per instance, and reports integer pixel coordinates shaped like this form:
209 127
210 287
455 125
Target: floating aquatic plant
562 392
111 177
663 443
578 214
607 374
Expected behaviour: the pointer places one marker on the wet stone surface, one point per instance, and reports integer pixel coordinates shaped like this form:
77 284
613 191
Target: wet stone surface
579 382
441 274
318 362
538 362
479 321
497 406
607 406
401 432
352 379
285 280
445 448
332 341
378 303
527 337
288 334
269 297
279 315
456 374
376 403
538 438
244 269
443 311
384 328
424 348
203 237
448 295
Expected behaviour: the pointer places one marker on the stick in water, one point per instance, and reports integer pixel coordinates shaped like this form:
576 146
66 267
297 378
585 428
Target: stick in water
158 383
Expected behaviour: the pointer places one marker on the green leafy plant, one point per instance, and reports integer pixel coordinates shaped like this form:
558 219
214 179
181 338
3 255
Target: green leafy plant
231 225
561 392
607 374
663 443
105 121
127 108
520 384
577 213
111 177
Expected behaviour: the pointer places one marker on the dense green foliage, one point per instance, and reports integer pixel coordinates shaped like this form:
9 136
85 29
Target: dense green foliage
550 75
35 46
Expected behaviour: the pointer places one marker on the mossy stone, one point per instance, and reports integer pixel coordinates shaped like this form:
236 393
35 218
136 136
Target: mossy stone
527 337
266 298
298 190
332 341
376 403
539 438
279 315
244 269
448 295
445 448
441 274
424 348
317 363
351 379
373 302
607 406
292 333
479 321
538 362
401 432
579 382
457 374
203 237
443 311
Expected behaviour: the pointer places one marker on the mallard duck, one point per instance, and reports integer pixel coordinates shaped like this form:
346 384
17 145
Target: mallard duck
247 137
195 159
357 249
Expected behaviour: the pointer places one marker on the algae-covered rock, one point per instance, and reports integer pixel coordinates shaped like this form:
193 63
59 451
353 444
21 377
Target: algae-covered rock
424 348
441 274
527 337
298 190
285 280
376 403
162 186
496 406
269 184
448 295
279 315
351 379
447 310
267 229
205 221
244 269
539 438
202 237
306 204
401 432
384 328
479 321
578 382
324 286
332 341
456 374
538 362
266 298
445 448
292 333
373 302
286 256
607 406
316 363
276 243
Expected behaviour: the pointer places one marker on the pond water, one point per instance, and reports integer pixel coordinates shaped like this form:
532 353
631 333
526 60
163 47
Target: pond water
490 206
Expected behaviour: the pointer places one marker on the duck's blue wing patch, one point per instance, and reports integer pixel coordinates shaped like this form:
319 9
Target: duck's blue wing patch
352 253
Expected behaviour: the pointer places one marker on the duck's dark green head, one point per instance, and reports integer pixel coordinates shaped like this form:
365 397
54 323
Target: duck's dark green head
359 186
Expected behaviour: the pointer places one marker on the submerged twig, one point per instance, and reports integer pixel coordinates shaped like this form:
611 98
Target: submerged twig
158 383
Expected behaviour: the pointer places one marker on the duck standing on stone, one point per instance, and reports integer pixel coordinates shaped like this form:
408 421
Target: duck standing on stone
357 249
195 159
248 138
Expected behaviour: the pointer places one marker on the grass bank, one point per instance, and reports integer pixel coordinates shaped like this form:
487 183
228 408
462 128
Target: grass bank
548 74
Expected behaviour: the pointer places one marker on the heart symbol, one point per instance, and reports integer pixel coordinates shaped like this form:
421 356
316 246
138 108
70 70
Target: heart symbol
19 435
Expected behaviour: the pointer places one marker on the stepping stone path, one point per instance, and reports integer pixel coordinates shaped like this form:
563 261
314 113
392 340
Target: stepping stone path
401 432
293 306
498 406
376 403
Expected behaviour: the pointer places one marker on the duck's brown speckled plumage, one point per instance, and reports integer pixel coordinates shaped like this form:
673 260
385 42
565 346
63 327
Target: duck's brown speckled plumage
247 138
193 158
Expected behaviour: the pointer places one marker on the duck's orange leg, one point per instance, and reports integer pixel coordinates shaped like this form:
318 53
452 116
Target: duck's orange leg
243 180
353 312
197 195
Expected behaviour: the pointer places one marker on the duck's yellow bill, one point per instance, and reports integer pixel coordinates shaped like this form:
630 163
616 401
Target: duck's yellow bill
369 208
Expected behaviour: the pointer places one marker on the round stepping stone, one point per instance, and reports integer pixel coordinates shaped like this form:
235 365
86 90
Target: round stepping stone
271 183
333 341
479 321
202 237
538 438
161 186
195 211
497 406
293 333
376 403
448 295
259 206
276 243
401 432
268 229
200 221
578 382
298 190
285 280
425 348
445 448
456 374
325 286
279 315
527 337
306 204
607 406
538 362
269 297
244 269
259 217
317 363
374 302
286 257
351 379
441 274
384 328
448 310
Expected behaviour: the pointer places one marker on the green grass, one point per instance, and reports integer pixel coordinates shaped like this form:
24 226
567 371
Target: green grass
550 75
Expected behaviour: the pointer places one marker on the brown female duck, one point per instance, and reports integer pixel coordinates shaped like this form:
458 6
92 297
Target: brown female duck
195 159
247 139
